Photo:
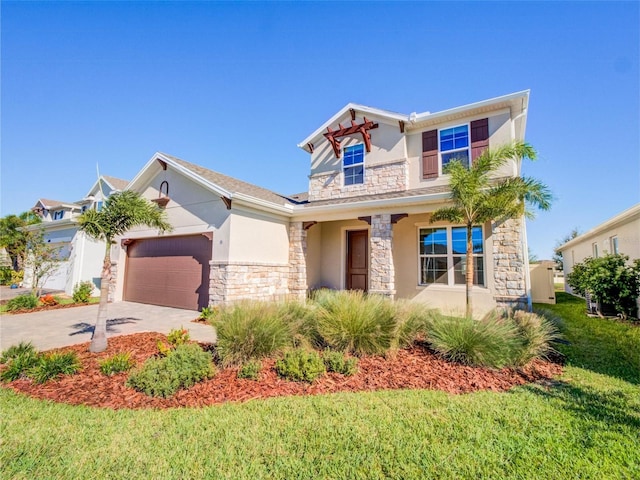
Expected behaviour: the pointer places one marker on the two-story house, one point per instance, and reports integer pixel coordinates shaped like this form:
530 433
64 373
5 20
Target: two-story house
375 178
81 256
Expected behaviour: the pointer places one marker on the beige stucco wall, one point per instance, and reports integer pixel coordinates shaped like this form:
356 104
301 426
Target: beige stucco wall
499 134
314 255
258 238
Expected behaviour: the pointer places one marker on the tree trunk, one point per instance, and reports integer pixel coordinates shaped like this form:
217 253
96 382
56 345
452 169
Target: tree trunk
469 272
99 337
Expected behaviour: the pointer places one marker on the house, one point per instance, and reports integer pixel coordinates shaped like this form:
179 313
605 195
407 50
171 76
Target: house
81 255
364 223
620 234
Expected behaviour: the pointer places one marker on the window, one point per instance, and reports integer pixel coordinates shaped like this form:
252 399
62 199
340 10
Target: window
98 206
614 245
454 145
353 164
443 255
59 215
595 250
84 208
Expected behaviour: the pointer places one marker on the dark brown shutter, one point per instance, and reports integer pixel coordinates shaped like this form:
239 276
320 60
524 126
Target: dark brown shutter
430 154
479 137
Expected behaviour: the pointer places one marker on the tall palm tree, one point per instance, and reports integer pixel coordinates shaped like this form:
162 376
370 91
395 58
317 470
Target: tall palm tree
479 195
121 212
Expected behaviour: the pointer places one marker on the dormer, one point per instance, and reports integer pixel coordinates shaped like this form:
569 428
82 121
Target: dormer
55 210
100 191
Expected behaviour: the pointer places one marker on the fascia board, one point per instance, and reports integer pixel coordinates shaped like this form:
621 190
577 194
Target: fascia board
343 111
473 106
50 226
300 212
619 219
263 205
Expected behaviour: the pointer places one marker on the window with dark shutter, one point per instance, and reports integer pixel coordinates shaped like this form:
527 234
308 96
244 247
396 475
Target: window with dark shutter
430 154
479 137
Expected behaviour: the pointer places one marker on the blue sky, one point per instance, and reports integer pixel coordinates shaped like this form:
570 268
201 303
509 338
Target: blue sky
235 86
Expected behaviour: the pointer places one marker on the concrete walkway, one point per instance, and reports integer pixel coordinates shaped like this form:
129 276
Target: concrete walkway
68 326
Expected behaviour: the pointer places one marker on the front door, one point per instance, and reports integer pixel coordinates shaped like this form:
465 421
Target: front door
358 260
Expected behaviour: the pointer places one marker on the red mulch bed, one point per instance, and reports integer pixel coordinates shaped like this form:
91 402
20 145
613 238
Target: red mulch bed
49 307
413 368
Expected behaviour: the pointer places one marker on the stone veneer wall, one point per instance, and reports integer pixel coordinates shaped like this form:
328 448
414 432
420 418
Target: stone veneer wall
388 177
297 260
251 280
112 285
508 265
381 270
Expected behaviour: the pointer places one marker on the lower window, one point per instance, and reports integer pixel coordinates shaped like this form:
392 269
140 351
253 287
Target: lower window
443 255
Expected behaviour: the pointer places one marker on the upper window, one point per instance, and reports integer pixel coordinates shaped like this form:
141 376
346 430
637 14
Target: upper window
614 245
595 250
443 255
98 206
58 215
353 164
454 144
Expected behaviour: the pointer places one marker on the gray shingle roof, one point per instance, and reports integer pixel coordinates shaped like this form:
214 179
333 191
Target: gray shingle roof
53 203
234 185
117 183
380 196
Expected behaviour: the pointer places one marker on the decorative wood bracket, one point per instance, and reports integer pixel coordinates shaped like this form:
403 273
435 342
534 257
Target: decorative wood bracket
308 225
361 128
310 147
353 114
208 235
366 219
401 124
162 163
396 217
227 202
126 242
161 201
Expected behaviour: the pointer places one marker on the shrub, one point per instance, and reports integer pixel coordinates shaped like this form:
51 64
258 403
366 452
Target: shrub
48 300
300 365
82 292
208 313
535 334
413 319
338 363
355 322
178 336
53 365
250 370
22 302
251 330
488 342
6 275
120 362
181 368
19 360
610 280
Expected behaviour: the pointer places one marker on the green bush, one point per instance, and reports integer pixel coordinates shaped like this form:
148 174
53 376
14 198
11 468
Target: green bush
19 360
355 322
181 368
82 292
536 333
251 330
120 362
413 319
300 365
22 302
610 280
178 336
6 275
53 365
488 342
250 370
338 363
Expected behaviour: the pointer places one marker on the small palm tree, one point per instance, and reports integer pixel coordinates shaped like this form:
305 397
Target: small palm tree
121 212
479 196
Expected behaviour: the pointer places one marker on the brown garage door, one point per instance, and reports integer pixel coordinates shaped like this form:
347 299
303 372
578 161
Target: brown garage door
172 271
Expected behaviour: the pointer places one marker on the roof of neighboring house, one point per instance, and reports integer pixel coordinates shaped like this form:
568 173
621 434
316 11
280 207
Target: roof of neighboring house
117 183
234 185
628 215
47 203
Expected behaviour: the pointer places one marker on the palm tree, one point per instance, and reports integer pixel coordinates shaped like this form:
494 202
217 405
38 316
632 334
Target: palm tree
479 195
121 212
14 239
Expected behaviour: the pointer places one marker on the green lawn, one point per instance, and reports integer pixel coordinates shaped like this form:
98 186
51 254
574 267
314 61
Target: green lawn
587 425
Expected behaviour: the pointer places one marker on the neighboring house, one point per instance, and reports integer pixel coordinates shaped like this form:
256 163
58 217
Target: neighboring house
620 234
81 256
375 179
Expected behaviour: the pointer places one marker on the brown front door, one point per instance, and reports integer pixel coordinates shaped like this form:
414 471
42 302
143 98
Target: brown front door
358 260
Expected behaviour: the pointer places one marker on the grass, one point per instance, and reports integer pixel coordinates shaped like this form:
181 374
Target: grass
585 426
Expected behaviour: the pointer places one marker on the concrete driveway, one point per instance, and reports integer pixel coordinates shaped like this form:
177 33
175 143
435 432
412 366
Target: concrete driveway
68 326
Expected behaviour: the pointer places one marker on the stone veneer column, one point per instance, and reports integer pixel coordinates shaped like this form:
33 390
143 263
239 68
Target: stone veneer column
297 261
114 279
381 271
509 265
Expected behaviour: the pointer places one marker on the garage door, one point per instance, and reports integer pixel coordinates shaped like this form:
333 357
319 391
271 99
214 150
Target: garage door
172 271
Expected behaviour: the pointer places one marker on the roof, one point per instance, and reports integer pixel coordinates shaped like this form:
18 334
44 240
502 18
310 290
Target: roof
380 196
517 101
49 204
231 184
117 183
625 216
